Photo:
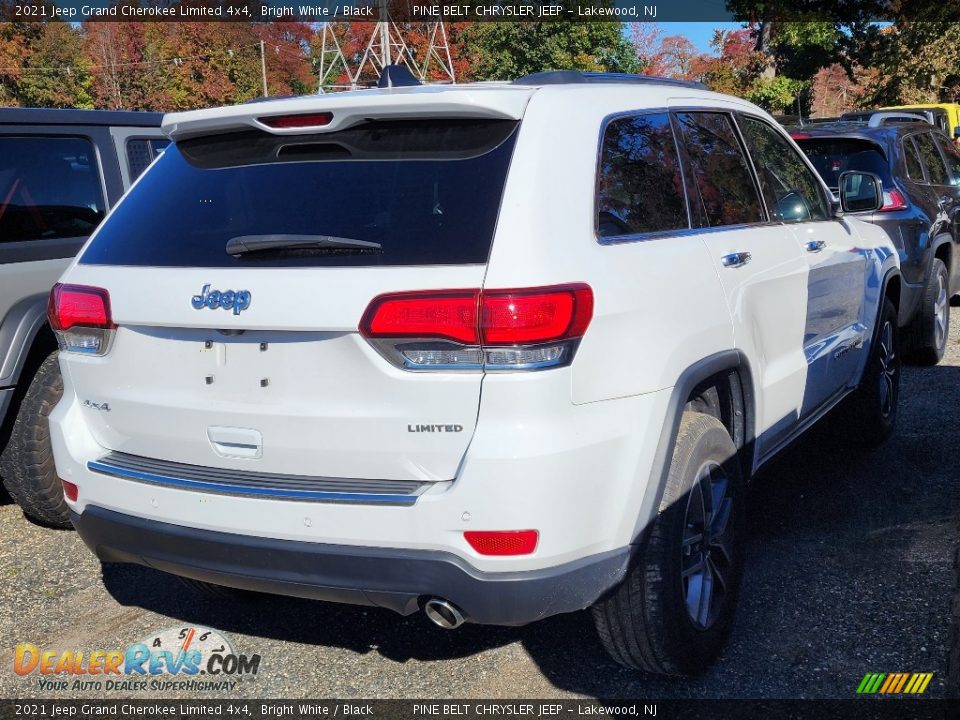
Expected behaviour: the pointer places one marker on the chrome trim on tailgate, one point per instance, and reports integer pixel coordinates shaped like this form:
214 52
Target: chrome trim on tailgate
254 484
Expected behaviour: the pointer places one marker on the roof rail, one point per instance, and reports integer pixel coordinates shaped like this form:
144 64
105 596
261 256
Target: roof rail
882 118
574 77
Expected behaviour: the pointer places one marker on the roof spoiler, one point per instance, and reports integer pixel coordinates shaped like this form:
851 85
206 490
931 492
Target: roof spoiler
397 76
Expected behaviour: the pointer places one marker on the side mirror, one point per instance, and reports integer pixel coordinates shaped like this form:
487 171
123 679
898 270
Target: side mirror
956 132
860 192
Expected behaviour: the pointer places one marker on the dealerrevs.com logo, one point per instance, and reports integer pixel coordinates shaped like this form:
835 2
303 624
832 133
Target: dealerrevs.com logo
179 658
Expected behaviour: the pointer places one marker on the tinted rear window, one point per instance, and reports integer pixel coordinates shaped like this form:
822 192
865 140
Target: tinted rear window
833 156
640 187
427 191
49 188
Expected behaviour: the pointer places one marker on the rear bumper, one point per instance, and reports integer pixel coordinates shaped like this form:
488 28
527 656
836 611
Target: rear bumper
382 577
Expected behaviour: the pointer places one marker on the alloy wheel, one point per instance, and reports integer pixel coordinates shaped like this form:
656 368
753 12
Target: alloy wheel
706 558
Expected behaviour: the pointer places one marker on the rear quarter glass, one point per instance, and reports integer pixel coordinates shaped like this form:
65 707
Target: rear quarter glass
428 192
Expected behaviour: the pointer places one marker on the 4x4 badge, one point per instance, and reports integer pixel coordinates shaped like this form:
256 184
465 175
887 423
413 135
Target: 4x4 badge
236 300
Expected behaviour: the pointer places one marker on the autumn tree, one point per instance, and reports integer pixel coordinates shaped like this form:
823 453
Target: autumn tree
503 51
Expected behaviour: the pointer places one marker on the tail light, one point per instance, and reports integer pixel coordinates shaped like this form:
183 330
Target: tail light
80 317
503 542
893 200
523 329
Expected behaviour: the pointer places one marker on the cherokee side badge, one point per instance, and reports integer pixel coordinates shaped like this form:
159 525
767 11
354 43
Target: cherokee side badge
236 300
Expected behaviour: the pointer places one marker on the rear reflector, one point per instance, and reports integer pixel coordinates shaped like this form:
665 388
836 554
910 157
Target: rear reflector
70 491
71 305
503 542
80 318
282 122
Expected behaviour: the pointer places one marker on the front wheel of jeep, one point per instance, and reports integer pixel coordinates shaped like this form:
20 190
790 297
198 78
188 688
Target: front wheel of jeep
674 610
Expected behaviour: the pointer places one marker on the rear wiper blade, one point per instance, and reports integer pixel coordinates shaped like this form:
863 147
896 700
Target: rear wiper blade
244 244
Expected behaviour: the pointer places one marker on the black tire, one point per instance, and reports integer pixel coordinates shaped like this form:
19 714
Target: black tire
872 410
645 623
925 339
220 592
27 465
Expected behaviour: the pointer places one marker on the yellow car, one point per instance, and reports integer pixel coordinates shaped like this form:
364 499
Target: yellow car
947 115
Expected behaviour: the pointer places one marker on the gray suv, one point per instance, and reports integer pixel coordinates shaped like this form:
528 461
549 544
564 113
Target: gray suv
60 173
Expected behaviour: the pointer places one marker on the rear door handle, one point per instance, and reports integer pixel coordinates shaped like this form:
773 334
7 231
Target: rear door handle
815 246
735 260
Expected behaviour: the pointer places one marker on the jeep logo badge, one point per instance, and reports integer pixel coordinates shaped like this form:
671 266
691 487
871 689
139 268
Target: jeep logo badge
236 300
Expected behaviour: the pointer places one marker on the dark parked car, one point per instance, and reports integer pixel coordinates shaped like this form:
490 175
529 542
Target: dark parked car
61 171
920 170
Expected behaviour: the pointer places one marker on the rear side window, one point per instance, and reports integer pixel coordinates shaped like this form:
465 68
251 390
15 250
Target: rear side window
833 156
936 171
952 156
792 192
426 192
141 152
912 157
49 188
639 184
726 192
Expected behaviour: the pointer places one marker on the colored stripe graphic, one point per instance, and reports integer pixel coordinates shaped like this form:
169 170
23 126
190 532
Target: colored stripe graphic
894 683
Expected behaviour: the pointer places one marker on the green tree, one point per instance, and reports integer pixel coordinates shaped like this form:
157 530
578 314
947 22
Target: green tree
504 51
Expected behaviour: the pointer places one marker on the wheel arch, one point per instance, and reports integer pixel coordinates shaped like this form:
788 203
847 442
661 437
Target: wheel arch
729 371
24 333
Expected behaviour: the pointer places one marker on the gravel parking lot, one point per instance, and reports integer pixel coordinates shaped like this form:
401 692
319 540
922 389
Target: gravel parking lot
851 570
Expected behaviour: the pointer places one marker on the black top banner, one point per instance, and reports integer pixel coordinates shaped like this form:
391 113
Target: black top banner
840 11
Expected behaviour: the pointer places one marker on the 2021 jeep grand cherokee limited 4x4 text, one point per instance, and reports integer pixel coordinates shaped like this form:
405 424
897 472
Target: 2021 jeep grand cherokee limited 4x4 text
498 351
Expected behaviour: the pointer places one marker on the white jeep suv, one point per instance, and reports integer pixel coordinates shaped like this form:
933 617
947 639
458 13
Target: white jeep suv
495 351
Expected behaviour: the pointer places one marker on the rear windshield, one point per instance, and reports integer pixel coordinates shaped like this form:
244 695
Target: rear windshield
49 188
834 156
427 192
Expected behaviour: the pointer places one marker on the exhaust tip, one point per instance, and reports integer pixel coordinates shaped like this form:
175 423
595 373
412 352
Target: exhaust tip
443 613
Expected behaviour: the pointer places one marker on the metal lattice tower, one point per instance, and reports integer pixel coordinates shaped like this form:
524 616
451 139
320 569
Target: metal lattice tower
438 49
332 61
386 46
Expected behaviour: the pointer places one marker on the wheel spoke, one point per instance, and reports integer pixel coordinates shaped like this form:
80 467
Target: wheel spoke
722 518
706 597
717 574
691 537
695 568
694 592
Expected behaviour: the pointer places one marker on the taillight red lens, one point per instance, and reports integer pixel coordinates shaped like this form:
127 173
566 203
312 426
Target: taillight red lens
893 200
518 317
506 317
800 136
297 121
450 315
70 491
503 542
72 305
